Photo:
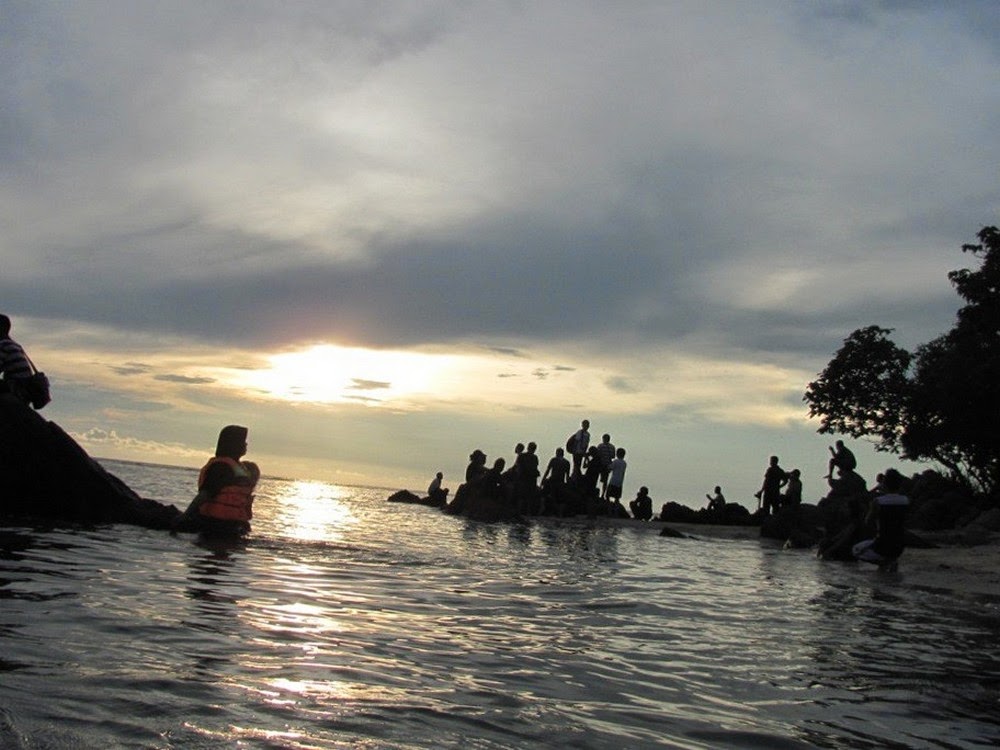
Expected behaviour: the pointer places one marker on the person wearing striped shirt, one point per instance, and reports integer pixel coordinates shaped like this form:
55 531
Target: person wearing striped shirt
13 361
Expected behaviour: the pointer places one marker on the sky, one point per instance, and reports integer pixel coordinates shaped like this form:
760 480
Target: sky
384 234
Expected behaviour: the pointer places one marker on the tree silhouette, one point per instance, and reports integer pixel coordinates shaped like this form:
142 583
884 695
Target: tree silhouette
941 403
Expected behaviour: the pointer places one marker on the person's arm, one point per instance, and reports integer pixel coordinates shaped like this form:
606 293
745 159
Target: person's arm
218 476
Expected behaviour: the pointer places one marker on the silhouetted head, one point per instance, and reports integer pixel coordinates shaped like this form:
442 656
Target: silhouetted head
439 475
532 447
774 460
645 490
718 490
477 457
4 325
519 448
606 438
232 441
839 443
620 453
795 473
893 481
560 452
585 424
499 464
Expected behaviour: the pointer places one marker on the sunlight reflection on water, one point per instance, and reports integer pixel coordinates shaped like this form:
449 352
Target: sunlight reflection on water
345 621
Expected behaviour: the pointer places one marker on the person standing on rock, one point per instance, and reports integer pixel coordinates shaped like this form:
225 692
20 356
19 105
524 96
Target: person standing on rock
770 492
616 479
606 454
579 446
224 503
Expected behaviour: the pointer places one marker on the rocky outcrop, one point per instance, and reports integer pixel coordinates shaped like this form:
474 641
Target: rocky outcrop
48 476
411 498
798 526
733 514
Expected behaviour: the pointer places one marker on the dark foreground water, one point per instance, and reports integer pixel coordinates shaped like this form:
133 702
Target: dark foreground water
347 622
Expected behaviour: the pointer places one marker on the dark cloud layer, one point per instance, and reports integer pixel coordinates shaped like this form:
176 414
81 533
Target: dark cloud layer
234 173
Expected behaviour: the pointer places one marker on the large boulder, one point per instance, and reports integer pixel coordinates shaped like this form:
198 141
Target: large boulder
942 512
47 475
405 496
796 525
673 512
482 501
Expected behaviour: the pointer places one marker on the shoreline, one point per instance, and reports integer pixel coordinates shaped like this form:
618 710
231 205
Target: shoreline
962 568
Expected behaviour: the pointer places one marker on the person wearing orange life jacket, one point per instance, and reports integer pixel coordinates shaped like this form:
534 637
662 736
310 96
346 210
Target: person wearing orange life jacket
224 503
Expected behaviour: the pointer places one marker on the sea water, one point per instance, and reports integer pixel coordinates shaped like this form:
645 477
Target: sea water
345 621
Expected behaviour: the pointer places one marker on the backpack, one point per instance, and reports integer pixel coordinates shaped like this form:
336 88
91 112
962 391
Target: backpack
571 443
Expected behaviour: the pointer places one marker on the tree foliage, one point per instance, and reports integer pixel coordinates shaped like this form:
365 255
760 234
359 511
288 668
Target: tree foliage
941 403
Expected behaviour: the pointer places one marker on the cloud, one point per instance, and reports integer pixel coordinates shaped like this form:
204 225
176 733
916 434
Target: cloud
184 379
434 175
131 368
360 384
705 195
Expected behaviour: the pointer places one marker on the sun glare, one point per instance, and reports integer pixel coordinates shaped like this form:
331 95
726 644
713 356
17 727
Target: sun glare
330 375
314 511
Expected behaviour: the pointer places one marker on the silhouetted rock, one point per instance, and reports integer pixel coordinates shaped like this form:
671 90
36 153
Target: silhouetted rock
797 525
989 519
942 512
47 475
405 496
482 501
733 514
672 512
674 533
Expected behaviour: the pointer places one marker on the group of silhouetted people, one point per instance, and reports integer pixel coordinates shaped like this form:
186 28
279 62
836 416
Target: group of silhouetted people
594 475
882 509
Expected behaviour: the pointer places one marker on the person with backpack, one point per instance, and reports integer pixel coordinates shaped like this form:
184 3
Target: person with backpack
16 367
578 444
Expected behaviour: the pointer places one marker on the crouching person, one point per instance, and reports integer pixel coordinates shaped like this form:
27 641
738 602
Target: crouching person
888 512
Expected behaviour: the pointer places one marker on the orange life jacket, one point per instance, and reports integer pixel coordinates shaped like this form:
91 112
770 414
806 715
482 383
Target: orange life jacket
234 502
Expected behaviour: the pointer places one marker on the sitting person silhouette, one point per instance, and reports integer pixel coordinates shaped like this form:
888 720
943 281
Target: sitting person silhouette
224 503
642 506
888 512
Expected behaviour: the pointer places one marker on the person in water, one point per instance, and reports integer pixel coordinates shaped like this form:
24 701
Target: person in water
224 503
888 512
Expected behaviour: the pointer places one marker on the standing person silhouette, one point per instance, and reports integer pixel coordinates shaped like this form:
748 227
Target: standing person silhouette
770 492
617 479
606 454
580 446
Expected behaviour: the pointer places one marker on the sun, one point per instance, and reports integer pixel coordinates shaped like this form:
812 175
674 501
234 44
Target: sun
329 374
